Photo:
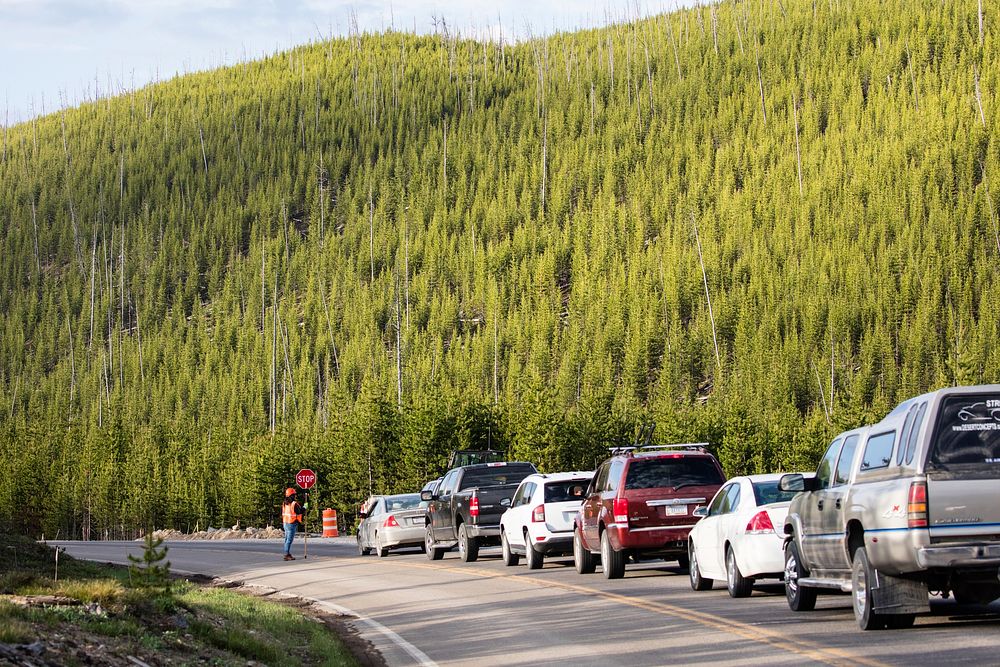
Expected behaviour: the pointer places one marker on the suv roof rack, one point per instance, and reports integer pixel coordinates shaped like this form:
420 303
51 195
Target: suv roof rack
647 450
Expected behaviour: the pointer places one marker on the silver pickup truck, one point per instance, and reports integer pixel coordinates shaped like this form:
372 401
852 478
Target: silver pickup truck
908 506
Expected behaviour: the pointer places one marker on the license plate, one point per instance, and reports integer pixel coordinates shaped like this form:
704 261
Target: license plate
676 510
416 521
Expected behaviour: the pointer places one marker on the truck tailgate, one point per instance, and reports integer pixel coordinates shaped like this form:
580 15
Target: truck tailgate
493 502
961 509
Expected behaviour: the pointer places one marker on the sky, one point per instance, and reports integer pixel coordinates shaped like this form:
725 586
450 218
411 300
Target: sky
56 53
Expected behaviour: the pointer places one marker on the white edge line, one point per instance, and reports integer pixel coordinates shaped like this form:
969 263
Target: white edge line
415 653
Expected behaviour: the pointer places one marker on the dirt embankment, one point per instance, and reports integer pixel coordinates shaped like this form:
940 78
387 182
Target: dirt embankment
234 533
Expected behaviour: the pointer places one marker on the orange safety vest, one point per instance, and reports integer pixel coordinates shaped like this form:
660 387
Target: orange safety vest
288 513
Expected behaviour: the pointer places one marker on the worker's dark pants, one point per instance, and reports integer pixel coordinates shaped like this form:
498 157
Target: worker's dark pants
289 536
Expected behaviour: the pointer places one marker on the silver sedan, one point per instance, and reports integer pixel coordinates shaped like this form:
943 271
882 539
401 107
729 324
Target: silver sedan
390 522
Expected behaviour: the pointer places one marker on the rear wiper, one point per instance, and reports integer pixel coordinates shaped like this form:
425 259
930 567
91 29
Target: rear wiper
683 484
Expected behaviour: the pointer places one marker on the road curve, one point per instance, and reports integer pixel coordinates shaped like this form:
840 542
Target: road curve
419 612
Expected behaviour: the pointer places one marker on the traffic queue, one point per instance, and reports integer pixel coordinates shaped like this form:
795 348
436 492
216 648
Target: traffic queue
896 512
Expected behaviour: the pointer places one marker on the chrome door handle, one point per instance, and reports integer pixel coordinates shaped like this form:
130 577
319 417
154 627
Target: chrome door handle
819 505
838 503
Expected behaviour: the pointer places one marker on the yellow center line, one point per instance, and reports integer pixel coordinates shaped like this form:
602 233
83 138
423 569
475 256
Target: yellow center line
762 635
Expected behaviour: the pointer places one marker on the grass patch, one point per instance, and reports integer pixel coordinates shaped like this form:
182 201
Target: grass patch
186 624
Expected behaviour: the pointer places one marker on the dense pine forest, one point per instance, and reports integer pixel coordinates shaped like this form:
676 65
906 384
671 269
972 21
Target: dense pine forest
753 223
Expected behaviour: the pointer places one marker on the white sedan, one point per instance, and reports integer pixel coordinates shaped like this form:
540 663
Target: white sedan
539 521
738 538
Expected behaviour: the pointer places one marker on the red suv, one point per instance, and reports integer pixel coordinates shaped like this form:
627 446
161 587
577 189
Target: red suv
640 503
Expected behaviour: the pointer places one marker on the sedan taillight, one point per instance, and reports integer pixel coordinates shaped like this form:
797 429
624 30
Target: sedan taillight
390 522
760 524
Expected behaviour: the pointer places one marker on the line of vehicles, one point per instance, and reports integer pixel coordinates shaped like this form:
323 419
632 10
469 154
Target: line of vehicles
895 512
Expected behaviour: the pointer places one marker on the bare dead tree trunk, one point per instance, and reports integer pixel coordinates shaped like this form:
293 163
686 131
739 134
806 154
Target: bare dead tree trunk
832 370
760 81
138 338
822 394
371 233
545 154
913 79
72 365
496 359
204 156
715 30
673 43
708 297
399 351
329 326
975 74
34 224
989 204
980 22
798 152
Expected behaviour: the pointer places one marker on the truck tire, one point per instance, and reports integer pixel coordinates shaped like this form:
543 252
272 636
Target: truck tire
532 557
433 553
509 557
799 598
862 578
738 585
468 547
612 562
698 582
583 560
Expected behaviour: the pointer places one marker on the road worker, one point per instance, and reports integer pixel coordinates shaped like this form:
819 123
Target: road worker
291 517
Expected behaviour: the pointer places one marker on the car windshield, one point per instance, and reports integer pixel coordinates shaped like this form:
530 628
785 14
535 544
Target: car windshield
672 472
410 501
967 433
495 476
565 491
768 492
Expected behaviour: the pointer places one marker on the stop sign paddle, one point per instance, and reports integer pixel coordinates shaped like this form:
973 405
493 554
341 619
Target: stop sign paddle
305 478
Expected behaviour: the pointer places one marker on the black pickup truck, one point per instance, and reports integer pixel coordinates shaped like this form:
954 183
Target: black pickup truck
464 509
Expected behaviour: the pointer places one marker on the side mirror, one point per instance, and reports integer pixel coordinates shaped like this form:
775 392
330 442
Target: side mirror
700 512
796 483
427 495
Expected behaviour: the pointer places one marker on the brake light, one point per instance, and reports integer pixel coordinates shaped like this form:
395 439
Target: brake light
916 505
390 522
474 506
619 508
760 524
538 514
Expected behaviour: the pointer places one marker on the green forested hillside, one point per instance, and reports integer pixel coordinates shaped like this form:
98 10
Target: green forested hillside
753 222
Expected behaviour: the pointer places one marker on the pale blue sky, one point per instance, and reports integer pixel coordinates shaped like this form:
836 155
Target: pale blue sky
60 51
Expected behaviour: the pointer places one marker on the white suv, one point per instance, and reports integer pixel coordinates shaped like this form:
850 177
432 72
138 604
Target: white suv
540 518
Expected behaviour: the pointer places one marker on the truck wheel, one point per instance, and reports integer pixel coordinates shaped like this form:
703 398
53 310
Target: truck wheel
509 557
468 547
698 582
433 553
380 549
362 551
612 562
799 597
738 585
532 557
583 560
862 578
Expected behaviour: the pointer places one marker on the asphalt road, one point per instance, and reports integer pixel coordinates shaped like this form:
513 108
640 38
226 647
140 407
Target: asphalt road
452 613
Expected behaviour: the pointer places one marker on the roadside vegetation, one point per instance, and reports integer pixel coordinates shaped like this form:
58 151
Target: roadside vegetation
754 223
100 614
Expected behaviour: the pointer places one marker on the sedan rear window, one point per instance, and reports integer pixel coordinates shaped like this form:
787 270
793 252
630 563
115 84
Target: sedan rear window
672 472
561 492
768 492
410 501
967 433
495 476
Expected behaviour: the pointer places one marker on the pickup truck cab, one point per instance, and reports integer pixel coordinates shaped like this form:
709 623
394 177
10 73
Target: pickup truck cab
641 503
900 508
464 509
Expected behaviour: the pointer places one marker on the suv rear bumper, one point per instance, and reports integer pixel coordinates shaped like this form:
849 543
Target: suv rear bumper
656 538
970 555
